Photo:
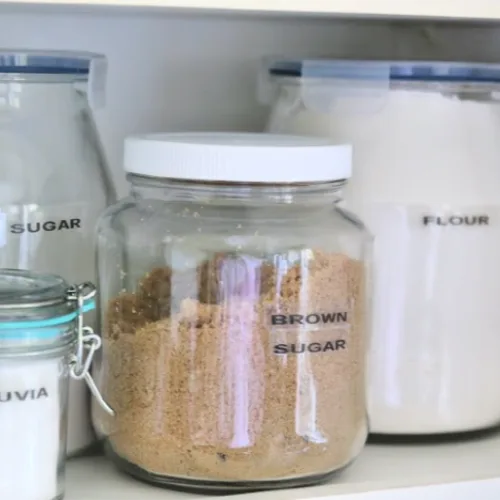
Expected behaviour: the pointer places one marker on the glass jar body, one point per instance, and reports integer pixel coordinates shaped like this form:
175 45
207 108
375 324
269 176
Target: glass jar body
53 185
425 181
34 391
234 334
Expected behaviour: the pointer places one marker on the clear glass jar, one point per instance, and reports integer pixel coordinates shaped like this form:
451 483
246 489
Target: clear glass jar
233 300
41 345
53 179
425 181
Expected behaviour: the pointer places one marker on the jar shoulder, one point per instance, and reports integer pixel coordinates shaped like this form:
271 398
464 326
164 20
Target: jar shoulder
182 229
188 217
351 221
117 211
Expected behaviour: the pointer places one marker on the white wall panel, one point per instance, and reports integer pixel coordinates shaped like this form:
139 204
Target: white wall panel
174 72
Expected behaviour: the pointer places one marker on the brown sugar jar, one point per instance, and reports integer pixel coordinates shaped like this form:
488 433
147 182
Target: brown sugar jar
234 307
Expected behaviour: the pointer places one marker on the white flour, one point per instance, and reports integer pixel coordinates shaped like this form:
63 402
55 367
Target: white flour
434 353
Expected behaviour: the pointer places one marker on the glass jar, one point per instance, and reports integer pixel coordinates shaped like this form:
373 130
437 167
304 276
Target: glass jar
41 344
426 181
233 299
53 179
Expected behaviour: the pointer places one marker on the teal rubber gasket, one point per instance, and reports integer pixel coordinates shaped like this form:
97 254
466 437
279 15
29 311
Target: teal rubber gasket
28 335
60 320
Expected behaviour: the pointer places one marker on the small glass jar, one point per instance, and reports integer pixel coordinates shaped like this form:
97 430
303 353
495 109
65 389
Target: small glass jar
41 344
233 299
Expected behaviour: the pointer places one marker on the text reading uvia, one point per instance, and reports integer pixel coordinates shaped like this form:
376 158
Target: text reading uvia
30 394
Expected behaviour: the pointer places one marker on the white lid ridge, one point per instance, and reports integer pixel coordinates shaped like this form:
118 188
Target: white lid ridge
238 157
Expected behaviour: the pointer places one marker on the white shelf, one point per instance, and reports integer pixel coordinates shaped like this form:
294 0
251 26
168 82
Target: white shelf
463 470
439 9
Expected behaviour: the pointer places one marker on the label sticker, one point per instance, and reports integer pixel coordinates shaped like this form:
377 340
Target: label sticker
49 238
310 333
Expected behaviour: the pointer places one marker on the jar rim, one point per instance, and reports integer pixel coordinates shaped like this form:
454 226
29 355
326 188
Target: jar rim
39 311
22 289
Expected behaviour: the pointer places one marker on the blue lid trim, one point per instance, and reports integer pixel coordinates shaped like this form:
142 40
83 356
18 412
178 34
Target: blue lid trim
48 63
397 71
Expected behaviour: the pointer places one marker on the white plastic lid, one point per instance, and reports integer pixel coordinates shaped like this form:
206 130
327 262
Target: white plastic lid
238 157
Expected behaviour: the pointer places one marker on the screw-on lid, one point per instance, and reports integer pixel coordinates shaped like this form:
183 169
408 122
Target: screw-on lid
238 157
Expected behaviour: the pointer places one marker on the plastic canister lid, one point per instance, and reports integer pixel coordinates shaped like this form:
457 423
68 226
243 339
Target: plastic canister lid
425 71
78 66
238 157
46 62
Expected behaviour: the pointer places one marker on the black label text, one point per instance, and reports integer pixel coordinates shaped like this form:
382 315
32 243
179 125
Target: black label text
50 225
456 220
308 319
30 394
312 347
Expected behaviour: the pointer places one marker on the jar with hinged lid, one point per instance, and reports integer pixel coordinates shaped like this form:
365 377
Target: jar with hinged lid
43 344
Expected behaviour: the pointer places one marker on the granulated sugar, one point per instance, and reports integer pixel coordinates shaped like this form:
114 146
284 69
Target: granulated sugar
213 391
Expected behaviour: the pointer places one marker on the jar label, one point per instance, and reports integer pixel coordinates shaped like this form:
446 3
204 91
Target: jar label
25 395
49 225
309 319
49 239
456 219
310 333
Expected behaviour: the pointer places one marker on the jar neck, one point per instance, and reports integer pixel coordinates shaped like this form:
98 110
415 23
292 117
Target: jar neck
218 193
33 95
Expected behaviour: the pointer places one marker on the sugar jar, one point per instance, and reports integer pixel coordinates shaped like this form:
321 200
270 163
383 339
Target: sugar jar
54 180
234 297
42 343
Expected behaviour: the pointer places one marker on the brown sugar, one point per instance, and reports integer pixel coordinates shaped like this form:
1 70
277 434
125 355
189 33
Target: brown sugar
258 376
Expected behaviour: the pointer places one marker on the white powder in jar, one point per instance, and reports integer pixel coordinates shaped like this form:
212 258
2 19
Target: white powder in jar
31 430
418 153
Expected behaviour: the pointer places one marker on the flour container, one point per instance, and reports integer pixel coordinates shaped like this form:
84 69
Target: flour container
233 292
53 179
426 180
